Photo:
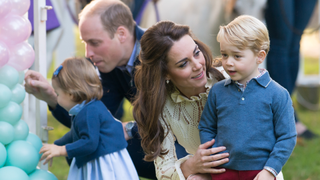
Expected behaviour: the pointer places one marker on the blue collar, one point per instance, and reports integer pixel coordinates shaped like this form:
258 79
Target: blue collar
130 65
264 80
78 107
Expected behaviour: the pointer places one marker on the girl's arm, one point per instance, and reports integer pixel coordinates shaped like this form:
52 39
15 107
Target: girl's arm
50 150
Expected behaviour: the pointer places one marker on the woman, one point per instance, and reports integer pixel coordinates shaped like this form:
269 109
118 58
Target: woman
173 82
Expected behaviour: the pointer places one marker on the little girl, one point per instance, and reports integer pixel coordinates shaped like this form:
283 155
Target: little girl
96 142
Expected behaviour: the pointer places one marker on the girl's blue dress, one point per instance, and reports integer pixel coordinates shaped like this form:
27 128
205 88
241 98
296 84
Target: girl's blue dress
113 166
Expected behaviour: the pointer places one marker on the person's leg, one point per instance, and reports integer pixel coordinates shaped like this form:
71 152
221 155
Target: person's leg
277 13
302 14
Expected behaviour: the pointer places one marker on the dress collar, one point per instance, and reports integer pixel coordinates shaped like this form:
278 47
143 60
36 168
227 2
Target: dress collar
177 97
78 107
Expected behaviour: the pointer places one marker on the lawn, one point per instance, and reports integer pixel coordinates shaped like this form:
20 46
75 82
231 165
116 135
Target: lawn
304 163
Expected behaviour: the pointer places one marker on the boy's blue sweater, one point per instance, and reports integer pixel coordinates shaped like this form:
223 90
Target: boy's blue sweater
94 132
256 126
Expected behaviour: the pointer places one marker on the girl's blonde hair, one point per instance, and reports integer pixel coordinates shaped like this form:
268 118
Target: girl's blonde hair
79 78
246 32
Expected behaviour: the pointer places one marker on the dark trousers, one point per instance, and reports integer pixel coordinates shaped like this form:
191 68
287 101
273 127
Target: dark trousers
286 21
236 175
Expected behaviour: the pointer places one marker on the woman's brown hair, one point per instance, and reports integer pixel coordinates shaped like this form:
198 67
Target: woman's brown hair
150 78
79 78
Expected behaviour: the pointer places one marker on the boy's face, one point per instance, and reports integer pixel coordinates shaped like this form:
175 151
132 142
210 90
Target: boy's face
240 65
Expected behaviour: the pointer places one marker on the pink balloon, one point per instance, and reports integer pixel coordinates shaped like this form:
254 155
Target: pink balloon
14 29
4 54
5 8
19 7
22 56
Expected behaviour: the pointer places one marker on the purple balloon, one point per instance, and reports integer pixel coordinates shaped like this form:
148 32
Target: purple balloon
4 54
22 56
5 8
19 7
14 29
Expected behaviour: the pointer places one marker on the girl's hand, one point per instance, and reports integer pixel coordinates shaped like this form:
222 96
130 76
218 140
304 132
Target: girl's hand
200 177
264 175
50 150
204 160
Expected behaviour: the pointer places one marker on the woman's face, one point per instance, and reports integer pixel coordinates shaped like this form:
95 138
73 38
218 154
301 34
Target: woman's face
186 67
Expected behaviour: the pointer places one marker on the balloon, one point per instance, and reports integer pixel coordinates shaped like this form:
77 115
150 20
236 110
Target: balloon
23 155
18 93
3 155
14 29
5 95
13 173
21 56
5 8
40 174
21 130
20 7
11 113
6 133
35 141
4 52
9 76
21 77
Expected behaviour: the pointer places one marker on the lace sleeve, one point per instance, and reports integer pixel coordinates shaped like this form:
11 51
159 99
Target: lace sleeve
166 165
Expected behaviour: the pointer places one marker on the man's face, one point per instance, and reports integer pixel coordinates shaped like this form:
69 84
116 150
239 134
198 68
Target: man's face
104 52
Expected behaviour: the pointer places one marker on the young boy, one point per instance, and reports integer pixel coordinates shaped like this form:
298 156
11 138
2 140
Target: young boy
249 113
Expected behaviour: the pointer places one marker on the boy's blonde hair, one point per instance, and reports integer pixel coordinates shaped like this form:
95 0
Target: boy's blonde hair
246 32
113 13
79 78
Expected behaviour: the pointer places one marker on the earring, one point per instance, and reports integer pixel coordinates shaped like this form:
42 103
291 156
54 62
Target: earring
167 81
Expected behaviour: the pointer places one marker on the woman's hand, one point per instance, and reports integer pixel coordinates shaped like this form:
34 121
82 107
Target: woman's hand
204 160
50 150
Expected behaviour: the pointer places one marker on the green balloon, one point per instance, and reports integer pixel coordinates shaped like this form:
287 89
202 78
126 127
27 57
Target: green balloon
5 95
21 77
9 76
40 174
11 113
13 173
23 155
6 133
21 130
18 93
3 155
35 141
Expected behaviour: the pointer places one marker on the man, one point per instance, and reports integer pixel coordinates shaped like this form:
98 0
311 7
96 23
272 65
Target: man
111 40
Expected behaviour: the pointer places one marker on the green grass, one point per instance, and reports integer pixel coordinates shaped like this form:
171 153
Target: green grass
304 163
311 65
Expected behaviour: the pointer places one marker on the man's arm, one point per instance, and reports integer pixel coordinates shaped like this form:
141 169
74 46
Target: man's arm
38 86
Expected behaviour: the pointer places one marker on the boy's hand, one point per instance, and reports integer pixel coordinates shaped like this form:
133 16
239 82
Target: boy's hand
50 150
264 175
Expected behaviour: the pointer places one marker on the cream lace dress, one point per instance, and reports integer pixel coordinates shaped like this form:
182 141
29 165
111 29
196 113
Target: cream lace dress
182 116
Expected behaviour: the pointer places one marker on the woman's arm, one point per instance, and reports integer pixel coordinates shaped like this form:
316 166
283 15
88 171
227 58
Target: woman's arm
169 166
